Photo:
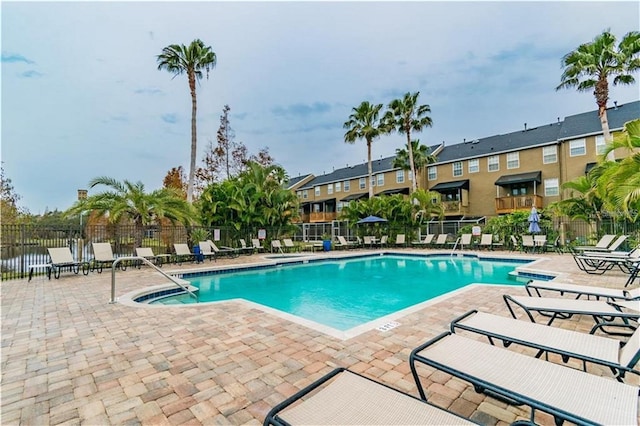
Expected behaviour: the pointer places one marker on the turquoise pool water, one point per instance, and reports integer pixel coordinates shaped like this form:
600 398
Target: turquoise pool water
347 293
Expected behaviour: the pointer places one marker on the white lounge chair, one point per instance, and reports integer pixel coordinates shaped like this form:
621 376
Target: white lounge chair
555 307
426 241
207 250
245 248
610 248
565 393
465 241
486 241
103 256
347 398
276 245
183 252
441 241
257 245
567 343
61 258
343 243
534 286
223 250
157 259
602 244
401 240
289 245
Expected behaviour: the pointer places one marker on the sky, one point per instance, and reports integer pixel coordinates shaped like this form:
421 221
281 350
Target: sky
82 96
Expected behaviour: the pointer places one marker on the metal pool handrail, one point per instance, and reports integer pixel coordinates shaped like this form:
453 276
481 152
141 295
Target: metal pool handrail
147 262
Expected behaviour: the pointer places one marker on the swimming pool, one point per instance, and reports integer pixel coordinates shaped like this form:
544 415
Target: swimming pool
343 294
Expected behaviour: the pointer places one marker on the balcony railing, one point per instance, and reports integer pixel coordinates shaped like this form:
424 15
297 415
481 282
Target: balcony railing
521 202
454 208
322 217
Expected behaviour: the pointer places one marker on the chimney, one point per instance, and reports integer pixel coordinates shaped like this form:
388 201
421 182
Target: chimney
616 104
525 127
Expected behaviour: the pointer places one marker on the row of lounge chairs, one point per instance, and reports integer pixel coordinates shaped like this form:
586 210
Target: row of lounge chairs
568 394
62 259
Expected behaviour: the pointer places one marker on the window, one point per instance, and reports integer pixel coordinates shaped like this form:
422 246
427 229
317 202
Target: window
380 179
299 194
551 187
317 188
457 169
600 145
363 183
339 206
338 186
474 165
400 176
513 160
373 180
493 163
347 186
432 173
410 176
330 188
305 194
550 154
577 147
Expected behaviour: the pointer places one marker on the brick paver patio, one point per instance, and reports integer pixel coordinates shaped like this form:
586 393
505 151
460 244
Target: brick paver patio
70 357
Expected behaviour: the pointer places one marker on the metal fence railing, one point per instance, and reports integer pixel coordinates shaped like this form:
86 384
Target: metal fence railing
23 245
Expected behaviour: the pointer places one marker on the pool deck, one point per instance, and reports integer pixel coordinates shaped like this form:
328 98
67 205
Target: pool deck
71 357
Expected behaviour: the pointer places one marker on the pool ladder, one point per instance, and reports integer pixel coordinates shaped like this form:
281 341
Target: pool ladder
146 262
455 246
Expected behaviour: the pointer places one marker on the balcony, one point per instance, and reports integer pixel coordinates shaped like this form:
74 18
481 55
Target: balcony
454 208
322 217
521 202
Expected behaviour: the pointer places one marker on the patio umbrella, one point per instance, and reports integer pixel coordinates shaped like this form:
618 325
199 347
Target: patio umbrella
533 221
372 219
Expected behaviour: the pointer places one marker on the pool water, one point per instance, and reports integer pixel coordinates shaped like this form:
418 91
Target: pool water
343 294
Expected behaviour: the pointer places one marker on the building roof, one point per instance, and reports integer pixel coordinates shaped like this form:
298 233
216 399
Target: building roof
588 123
542 135
358 170
293 181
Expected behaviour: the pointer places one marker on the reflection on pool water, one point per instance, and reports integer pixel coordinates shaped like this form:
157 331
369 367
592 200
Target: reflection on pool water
343 294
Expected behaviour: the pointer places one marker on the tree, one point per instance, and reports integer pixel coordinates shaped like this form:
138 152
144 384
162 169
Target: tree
591 64
364 123
190 60
421 157
255 198
9 211
426 204
618 182
228 158
175 179
405 115
129 201
584 202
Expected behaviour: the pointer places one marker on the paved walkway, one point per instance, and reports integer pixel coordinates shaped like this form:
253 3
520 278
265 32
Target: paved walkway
70 357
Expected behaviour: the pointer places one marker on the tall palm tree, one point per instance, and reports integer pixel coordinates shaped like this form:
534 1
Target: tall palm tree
405 115
364 123
591 64
191 60
421 157
129 201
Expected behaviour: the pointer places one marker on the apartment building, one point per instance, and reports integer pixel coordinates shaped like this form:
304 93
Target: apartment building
323 197
480 177
518 170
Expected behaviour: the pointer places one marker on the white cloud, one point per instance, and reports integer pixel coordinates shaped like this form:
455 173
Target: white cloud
290 71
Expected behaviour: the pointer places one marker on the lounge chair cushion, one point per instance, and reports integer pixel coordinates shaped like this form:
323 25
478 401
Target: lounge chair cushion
354 400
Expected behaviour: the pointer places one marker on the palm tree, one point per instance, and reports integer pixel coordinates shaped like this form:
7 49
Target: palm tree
421 157
180 59
128 201
364 123
405 115
619 182
591 64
